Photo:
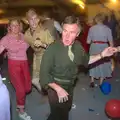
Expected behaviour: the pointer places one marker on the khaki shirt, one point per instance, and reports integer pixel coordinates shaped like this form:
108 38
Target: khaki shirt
41 34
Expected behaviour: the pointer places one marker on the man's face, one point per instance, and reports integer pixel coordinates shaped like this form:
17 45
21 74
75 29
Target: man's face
33 21
69 34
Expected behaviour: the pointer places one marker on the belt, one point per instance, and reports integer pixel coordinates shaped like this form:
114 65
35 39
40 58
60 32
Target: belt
64 81
99 42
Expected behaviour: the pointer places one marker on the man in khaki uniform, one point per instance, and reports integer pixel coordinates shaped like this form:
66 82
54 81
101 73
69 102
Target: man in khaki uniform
38 38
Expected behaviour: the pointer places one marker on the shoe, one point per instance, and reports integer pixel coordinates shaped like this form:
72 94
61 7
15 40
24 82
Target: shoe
24 116
37 87
92 85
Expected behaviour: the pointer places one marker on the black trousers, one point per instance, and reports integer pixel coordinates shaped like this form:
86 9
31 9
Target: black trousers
58 111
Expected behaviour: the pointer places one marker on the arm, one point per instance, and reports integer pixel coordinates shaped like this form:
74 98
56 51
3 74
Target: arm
2 48
28 39
23 38
3 43
107 52
89 37
33 43
48 38
39 43
110 40
47 79
94 58
111 43
118 49
55 87
45 40
45 68
110 37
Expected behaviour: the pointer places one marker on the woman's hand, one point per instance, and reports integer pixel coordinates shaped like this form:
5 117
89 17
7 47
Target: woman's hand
107 52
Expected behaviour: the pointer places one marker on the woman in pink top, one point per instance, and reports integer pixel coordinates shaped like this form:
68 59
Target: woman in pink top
18 68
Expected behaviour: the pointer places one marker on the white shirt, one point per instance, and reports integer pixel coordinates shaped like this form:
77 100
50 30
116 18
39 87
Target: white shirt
58 26
4 102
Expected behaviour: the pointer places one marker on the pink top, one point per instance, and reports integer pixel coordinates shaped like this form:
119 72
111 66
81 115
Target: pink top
16 49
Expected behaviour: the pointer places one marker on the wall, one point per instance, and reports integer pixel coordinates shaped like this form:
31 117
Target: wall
92 10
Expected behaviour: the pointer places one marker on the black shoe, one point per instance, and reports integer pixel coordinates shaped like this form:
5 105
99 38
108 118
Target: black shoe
92 85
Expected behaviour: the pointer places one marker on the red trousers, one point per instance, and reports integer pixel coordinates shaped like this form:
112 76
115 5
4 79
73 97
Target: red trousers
20 79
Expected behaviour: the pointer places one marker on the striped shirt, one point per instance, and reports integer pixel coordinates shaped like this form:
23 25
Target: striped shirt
16 49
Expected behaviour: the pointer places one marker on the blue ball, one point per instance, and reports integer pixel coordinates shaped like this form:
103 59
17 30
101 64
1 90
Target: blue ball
105 88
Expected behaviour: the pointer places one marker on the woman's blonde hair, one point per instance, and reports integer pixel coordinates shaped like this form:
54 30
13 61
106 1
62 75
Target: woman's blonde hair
11 20
14 19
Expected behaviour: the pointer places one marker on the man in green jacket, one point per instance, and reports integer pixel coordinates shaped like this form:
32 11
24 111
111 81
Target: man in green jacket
59 68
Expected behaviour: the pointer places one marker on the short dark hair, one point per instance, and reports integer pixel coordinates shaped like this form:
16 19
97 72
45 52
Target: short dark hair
72 20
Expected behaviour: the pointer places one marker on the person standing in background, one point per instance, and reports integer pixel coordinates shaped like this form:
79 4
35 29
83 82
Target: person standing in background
52 25
39 39
99 38
18 67
111 22
4 102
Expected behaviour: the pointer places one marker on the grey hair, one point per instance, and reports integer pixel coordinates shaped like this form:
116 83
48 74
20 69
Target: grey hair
72 20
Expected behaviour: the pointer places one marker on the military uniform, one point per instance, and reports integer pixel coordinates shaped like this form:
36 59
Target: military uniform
57 67
44 37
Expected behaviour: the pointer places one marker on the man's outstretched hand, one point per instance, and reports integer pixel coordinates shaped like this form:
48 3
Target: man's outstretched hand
109 51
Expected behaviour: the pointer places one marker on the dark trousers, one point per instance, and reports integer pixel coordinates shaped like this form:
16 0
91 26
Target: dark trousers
59 111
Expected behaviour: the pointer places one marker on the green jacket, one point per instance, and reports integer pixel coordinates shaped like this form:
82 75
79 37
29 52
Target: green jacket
57 67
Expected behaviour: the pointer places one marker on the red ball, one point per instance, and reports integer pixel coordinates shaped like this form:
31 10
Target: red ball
112 108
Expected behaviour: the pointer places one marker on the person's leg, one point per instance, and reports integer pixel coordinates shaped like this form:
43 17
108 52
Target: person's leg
101 80
113 64
17 82
26 76
36 72
59 111
92 85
